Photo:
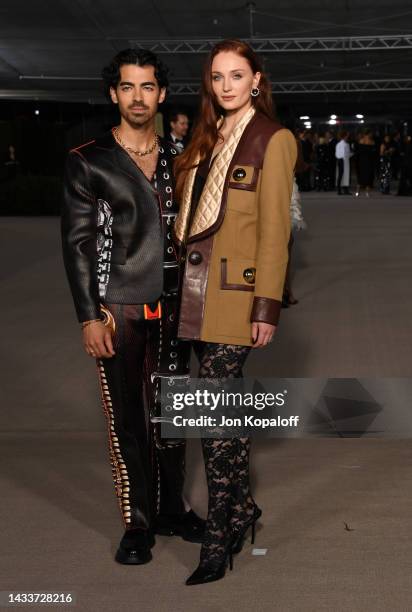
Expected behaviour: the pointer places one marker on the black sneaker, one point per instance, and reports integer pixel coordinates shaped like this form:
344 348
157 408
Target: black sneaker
188 526
134 547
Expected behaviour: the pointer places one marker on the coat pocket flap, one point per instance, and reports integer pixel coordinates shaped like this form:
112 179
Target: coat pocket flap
237 274
244 177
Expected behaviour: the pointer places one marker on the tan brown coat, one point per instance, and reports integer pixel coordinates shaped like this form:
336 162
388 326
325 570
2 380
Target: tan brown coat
235 267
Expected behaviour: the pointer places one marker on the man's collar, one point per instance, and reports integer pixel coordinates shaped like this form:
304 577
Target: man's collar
106 141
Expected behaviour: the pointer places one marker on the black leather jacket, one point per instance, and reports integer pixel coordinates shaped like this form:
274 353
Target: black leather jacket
112 231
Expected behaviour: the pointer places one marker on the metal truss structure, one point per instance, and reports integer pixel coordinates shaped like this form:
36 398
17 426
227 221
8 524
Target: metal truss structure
288 45
296 87
342 86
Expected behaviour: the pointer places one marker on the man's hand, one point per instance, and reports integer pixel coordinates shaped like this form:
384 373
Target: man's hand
262 333
97 340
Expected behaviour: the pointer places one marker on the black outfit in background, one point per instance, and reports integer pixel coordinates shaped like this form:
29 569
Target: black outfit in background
385 169
366 158
405 177
322 163
118 251
179 143
332 162
304 178
11 168
396 158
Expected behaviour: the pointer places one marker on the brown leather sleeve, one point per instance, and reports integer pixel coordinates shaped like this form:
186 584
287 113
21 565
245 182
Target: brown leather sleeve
265 310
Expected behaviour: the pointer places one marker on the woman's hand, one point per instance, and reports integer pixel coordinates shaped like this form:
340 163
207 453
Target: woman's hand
262 333
97 340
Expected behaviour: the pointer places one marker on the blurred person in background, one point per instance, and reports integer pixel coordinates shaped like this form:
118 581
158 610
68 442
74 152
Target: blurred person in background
396 156
304 177
179 127
322 163
297 223
331 141
11 165
405 177
386 151
365 162
343 154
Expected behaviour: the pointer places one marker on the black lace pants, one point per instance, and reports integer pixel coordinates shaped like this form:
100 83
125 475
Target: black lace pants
226 460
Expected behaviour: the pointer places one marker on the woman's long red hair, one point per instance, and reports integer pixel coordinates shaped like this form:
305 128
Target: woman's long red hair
205 132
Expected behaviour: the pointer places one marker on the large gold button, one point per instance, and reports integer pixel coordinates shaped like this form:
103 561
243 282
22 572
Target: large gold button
249 275
239 174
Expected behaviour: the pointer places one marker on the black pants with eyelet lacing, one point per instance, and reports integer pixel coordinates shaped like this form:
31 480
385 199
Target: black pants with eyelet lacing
148 472
230 503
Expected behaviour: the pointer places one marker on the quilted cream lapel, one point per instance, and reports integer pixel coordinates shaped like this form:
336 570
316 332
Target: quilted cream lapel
208 208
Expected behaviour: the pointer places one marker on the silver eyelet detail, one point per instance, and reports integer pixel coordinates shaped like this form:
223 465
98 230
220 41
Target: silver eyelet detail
163 162
170 249
173 355
169 203
173 151
166 176
172 367
168 190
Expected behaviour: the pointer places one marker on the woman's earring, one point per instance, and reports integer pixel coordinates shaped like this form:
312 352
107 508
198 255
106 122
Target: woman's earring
255 92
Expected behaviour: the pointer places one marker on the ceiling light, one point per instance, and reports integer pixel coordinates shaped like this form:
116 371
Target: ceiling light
333 117
359 116
304 117
332 121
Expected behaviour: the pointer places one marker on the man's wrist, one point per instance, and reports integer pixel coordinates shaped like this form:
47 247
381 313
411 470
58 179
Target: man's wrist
87 323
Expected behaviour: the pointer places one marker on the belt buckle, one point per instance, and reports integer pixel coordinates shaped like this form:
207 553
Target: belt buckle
152 311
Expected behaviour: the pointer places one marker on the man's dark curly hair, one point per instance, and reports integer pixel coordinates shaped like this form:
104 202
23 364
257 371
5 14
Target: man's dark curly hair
136 57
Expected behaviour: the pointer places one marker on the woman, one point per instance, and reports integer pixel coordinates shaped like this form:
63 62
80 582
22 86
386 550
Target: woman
234 182
322 165
365 163
386 150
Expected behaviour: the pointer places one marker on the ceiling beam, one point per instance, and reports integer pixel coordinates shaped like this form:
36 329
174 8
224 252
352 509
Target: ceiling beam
286 45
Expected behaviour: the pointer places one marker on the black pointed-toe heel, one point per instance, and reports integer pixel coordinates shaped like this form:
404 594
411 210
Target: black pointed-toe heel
208 573
239 538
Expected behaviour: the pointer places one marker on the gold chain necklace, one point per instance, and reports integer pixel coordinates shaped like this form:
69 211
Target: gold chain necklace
135 152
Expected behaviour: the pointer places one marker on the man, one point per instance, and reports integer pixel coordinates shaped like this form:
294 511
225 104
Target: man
343 154
396 155
179 126
122 267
